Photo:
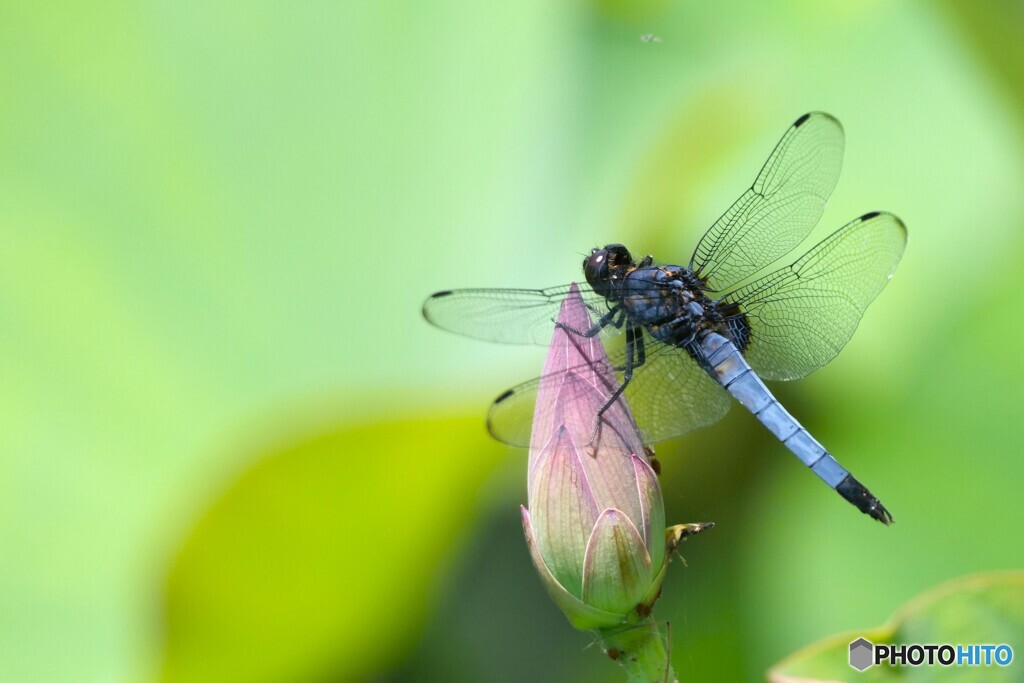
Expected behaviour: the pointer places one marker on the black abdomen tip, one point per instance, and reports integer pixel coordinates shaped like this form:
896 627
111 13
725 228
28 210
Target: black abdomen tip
855 492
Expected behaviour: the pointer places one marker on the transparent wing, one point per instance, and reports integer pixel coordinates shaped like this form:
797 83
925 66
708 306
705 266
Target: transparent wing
669 395
802 315
780 208
510 316
517 316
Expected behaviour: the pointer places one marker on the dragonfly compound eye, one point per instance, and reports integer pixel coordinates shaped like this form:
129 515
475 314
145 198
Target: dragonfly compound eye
595 268
618 257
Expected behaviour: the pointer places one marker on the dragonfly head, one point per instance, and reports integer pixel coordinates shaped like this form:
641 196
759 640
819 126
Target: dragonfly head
604 266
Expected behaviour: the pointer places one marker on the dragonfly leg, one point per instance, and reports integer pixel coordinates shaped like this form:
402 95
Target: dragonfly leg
636 355
606 320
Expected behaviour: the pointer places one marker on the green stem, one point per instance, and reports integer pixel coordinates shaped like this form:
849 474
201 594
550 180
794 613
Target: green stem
641 652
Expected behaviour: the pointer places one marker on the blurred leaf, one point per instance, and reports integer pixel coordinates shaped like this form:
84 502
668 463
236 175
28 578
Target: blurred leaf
632 11
320 559
992 28
984 608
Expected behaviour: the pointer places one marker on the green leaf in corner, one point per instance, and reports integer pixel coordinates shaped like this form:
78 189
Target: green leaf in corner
983 608
317 562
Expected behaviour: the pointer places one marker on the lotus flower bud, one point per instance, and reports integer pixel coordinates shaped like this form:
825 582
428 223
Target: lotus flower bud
595 521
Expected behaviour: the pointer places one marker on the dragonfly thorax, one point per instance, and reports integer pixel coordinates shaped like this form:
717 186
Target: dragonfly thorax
669 301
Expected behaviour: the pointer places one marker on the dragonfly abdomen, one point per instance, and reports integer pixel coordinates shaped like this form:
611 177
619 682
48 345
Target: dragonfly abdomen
728 366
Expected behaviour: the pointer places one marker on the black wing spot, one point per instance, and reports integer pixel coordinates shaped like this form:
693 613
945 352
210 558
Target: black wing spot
870 215
504 396
801 121
438 295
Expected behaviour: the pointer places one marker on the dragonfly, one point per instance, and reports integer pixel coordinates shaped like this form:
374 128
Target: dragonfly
700 335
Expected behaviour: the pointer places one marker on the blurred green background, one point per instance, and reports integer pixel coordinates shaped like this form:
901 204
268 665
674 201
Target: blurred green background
231 449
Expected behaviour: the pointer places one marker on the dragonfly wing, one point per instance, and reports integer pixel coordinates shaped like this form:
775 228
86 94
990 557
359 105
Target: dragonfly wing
802 315
669 395
674 396
779 210
511 316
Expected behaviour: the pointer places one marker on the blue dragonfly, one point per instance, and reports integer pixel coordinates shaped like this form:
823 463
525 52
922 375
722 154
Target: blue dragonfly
700 335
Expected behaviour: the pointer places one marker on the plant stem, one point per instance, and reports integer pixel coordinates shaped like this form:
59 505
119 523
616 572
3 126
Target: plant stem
641 652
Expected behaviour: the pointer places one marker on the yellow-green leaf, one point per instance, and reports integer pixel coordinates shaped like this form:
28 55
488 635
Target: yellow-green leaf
320 557
979 609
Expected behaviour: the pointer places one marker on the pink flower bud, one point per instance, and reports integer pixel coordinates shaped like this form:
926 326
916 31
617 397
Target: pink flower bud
596 520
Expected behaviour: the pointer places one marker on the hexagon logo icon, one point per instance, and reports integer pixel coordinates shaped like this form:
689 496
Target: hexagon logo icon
862 654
